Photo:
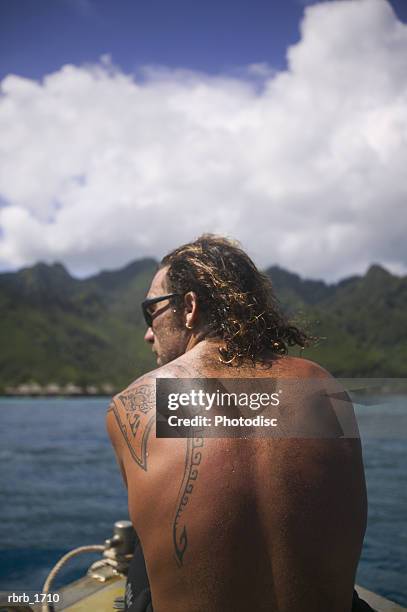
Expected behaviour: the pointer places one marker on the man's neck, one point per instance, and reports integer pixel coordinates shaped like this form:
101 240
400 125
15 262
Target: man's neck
204 339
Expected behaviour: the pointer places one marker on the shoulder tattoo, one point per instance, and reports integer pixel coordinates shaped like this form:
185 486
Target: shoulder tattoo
134 414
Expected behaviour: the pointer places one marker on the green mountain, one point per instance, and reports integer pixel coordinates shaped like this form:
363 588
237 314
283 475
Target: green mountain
360 323
55 328
89 332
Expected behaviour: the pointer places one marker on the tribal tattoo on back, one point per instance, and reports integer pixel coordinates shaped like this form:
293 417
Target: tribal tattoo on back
193 458
135 423
136 426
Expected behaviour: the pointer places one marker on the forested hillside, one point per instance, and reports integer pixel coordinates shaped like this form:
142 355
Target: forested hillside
58 329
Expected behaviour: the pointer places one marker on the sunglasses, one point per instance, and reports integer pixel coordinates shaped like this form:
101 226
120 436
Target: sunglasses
145 306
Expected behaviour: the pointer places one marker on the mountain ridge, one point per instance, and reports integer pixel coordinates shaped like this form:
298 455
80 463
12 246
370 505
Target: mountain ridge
58 328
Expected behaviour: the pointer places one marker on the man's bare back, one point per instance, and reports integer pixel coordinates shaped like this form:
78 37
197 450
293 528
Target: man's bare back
237 523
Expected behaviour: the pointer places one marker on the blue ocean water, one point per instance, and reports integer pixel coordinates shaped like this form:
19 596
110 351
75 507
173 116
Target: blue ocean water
61 488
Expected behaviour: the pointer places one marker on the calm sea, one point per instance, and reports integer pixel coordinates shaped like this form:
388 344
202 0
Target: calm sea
61 488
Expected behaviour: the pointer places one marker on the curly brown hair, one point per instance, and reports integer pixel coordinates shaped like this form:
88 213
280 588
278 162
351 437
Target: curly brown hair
237 300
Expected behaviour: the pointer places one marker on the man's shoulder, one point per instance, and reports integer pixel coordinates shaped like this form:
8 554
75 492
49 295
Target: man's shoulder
142 389
131 414
298 367
130 418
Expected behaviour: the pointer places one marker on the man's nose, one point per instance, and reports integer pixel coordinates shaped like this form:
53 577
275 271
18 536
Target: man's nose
149 335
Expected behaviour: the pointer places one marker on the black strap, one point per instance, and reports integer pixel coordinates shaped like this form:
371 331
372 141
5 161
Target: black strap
137 595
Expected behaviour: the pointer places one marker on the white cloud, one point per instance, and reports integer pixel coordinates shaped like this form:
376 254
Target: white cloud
308 170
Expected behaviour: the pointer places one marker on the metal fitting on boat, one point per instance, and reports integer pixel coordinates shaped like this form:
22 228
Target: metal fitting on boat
124 538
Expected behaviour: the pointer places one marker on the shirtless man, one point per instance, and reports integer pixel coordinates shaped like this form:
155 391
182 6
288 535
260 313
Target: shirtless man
272 524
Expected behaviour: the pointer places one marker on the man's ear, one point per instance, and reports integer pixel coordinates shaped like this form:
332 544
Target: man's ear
191 309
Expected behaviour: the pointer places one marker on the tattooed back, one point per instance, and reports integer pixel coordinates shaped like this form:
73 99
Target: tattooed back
239 524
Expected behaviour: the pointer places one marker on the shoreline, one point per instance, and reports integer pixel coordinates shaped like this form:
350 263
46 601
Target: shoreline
57 395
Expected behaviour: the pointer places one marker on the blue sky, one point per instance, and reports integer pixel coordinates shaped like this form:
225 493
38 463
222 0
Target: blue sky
129 127
39 36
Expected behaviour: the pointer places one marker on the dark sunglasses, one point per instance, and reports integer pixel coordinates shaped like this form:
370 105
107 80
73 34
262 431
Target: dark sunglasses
148 316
